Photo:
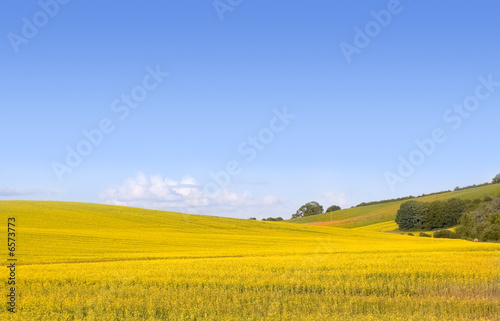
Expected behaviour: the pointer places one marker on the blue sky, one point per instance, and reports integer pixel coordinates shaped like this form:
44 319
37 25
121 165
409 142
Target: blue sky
354 115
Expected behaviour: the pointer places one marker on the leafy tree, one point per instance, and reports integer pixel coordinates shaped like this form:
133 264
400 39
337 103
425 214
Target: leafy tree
438 214
411 215
333 208
454 211
491 233
311 208
496 180
435 216
483 223
252 219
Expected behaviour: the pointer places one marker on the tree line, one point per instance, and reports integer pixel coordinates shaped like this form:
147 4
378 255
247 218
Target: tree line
483 223
314 208
475 219
495 180
416 215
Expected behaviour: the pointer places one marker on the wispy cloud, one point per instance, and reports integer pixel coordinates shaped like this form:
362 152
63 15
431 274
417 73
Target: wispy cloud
12 192
186 195
332 198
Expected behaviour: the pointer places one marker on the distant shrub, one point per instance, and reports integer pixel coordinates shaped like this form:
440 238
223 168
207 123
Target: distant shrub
252 219
495 205
411 234
333 208
445 234
471 186
491 233
483 223
399 199
272 219
422 234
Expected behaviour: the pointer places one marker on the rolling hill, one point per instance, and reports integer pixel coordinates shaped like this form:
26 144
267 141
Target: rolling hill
380 217
80 261
80 232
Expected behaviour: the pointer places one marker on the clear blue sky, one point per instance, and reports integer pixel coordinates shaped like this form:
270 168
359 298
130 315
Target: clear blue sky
357 110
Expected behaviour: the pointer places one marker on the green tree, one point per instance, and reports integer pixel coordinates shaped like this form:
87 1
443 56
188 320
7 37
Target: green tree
454 210
496 180
333 208
483 223
411 215
272 219
443 214
311 208
435 216
445 234
491 233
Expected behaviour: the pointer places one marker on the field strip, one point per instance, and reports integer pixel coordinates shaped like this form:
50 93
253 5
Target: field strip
496 251
173 258
167 259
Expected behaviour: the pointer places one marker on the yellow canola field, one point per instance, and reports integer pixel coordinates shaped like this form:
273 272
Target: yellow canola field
345 286
94 262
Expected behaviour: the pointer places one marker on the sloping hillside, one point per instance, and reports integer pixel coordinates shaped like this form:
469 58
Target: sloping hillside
383 213
76 232
95 262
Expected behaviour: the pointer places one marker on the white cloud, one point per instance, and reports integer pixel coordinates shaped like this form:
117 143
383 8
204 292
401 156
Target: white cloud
335 199
186 196
271 200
